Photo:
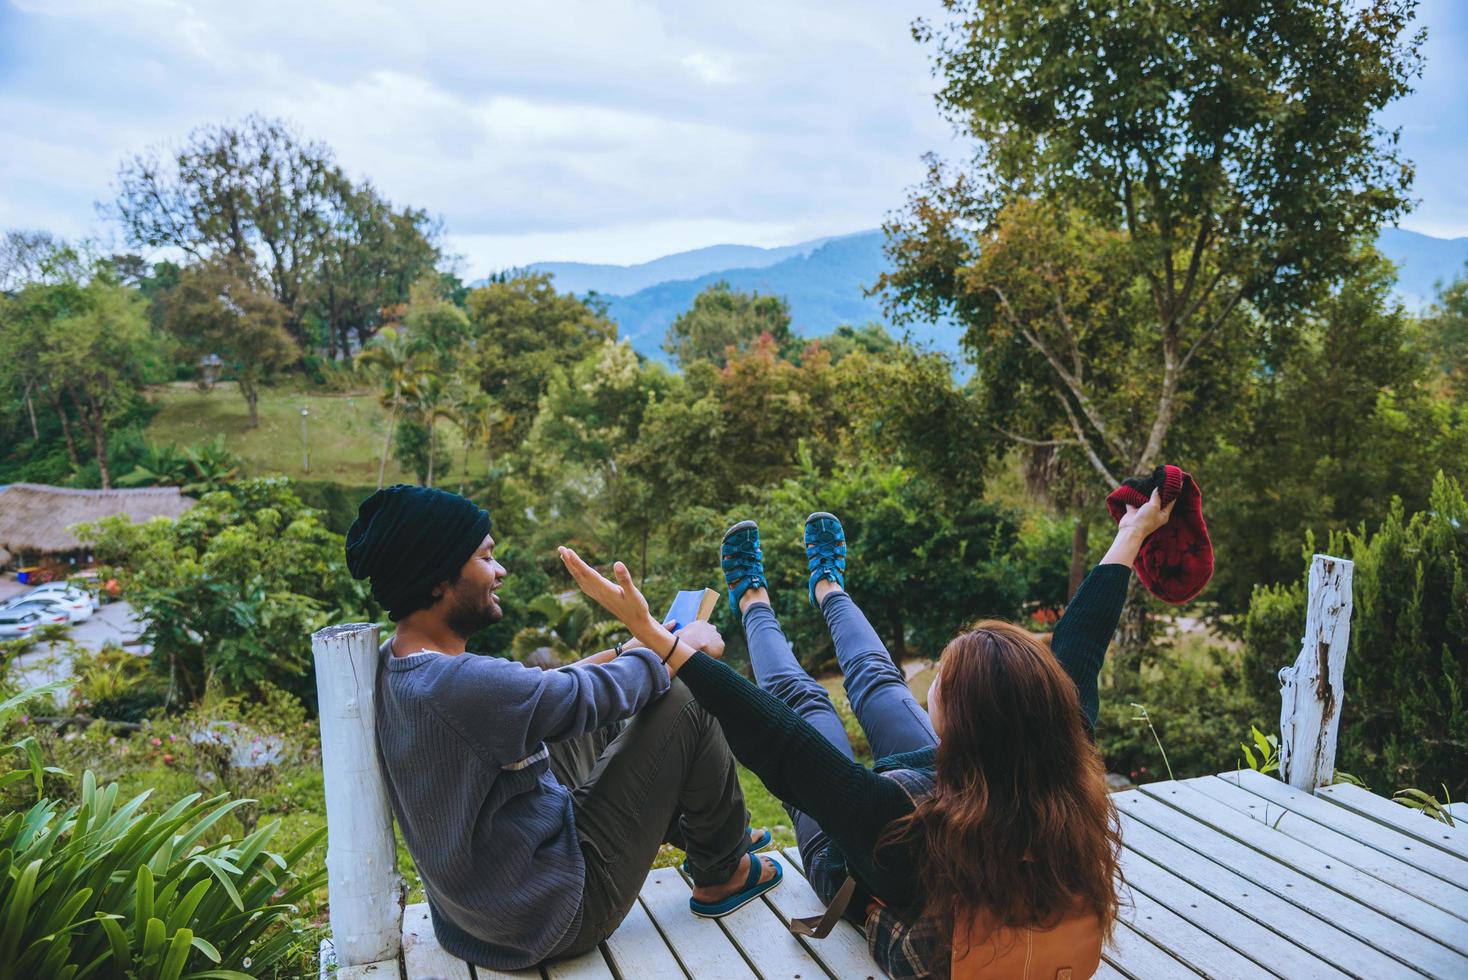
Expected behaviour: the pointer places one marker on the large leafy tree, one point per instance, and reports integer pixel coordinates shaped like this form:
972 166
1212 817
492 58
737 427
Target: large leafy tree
1340 421
258 193
1446 335
523 332
578 451
371 255
724 320
218 307
87 350
1141 175
1148 181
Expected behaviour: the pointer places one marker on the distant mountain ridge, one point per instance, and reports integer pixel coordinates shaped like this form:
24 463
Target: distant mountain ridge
622 280
825 282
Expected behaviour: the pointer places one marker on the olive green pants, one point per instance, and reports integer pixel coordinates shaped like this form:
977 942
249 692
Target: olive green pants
666 775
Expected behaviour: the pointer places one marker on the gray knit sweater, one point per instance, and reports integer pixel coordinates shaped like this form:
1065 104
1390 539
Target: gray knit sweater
490 829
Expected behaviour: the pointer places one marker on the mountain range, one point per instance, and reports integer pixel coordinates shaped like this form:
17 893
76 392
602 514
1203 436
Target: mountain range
825 282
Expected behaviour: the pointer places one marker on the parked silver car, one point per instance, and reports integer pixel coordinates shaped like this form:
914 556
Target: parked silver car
18 619
78 603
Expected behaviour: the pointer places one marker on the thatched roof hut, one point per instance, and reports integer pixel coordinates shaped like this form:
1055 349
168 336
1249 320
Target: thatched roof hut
35 518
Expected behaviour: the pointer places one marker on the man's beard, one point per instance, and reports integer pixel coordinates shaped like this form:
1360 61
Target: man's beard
471 614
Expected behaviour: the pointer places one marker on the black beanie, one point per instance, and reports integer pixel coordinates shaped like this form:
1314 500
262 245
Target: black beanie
407 539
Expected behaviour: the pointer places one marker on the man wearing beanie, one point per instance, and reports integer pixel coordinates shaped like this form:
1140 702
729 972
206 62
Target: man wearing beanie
531 808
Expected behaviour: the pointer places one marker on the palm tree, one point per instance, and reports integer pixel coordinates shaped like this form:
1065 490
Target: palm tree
475 415
429 398
391 352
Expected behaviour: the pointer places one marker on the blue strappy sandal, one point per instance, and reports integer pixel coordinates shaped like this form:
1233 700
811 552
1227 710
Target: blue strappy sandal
754 845
743 562
753 888
825 551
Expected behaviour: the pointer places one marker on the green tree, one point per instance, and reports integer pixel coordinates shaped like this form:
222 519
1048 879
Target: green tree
723 319
96 355
1403 721
1147 184
1192 148
523 331
1338 422
260 194
371 255
218 307
869 338
1446 335
231 589
393 356
589 425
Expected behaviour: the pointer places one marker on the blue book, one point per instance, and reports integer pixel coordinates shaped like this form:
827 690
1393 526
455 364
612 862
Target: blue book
691 605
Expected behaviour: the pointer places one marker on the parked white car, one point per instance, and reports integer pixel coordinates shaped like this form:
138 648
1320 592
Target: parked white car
19 619
78 603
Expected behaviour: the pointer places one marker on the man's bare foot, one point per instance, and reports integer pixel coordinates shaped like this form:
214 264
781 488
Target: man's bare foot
708 894
751 596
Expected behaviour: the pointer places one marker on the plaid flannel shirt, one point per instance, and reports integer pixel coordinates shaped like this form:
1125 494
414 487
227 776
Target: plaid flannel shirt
906 949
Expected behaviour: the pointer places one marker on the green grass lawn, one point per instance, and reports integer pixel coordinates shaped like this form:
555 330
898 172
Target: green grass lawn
345 430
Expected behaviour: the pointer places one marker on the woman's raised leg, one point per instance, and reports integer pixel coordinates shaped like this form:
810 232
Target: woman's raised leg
891 717
777 671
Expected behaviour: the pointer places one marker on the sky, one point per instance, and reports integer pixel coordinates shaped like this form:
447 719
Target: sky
606 131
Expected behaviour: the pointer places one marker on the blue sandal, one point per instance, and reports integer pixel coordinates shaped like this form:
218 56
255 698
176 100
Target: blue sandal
754 845
825 551
753 888
743 562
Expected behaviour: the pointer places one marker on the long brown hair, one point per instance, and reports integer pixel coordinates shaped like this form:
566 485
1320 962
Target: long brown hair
1020 826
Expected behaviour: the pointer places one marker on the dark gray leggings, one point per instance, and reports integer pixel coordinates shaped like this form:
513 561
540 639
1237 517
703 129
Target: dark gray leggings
889 715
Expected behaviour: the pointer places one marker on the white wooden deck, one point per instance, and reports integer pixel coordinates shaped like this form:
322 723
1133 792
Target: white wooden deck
1229 876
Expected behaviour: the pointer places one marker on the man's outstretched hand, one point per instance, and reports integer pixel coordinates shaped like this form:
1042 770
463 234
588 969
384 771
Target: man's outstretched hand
620 598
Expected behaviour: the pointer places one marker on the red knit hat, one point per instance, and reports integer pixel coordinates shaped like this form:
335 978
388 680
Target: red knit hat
1176 560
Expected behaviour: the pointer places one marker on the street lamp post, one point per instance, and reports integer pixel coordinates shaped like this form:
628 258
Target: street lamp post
305 444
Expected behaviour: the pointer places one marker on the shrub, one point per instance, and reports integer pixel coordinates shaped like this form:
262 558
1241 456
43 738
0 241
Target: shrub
1196 709
231 589
1403 721
120 891
98 888
114 684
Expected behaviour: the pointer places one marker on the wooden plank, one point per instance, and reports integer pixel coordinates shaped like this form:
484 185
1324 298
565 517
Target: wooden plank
1402 847
637 949
383 970
1136 957
1459 811
1454 840
1399 913
1186 942
424 958
1187 848
1261 943
701 946
844 952
1107 972
1289 811
765 942
591 965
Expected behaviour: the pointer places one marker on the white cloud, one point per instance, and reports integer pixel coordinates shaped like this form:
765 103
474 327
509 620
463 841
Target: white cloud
600 130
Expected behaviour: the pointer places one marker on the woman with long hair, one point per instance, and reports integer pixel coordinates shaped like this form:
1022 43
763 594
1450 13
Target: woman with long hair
982 844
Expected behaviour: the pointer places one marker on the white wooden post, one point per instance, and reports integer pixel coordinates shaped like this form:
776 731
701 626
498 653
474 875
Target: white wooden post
364 887
1311 691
